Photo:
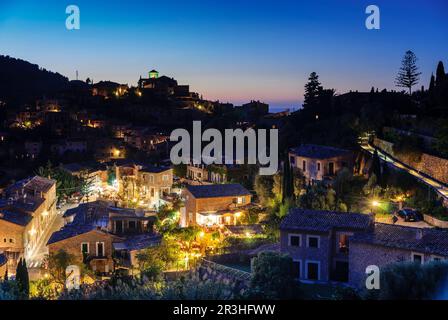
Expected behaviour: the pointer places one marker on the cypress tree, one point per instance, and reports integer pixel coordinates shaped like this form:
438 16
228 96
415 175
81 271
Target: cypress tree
19 275
440 74
385 175
22 279
431 83
287 181
26 280
376 166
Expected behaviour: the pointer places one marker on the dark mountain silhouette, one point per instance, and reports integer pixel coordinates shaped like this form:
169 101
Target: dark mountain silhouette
22 82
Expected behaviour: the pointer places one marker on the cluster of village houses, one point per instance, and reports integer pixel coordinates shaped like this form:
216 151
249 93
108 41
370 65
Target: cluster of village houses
324 245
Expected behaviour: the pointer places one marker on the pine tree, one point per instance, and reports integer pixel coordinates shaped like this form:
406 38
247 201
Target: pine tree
408 75
312 90
440 74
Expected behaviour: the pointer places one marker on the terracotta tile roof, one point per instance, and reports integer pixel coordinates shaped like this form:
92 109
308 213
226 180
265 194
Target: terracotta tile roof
218 190
15 216
315 151
324 221
426 240
70 231
138 242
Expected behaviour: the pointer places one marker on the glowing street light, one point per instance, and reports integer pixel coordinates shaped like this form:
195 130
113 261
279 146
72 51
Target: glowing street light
375 203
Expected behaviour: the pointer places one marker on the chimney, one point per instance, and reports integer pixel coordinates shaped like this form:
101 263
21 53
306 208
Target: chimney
419 234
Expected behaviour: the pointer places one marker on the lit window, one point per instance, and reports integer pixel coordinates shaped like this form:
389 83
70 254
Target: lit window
343 243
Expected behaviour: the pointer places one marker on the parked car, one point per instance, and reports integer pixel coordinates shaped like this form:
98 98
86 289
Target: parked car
409 214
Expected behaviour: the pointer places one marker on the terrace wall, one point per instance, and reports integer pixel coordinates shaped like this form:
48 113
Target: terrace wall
431 165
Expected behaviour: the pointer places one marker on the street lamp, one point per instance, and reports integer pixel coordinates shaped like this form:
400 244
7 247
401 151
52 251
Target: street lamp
374 204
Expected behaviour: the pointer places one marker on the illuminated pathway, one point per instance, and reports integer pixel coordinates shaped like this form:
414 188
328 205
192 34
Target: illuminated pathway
442 190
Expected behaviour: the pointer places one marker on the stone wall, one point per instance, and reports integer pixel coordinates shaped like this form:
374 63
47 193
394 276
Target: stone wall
217 273
435 222
432 166
363 255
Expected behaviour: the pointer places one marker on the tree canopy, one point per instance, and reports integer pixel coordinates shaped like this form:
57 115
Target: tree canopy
408 75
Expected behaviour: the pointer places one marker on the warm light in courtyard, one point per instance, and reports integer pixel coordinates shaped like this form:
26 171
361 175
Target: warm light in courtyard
201 234
116 152
238 214
375 203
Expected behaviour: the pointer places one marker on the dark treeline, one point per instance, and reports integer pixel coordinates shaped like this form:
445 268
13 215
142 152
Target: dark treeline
22 82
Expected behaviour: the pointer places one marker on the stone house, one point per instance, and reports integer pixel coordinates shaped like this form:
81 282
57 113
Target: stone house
203 173
318 163
27 211
95 172
104 237
149 184
318 242
337 246
214 205
387 244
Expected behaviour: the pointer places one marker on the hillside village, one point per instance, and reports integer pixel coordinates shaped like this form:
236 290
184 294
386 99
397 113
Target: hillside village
86 180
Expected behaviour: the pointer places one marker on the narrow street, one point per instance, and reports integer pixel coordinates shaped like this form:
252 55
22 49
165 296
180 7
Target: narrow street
42 249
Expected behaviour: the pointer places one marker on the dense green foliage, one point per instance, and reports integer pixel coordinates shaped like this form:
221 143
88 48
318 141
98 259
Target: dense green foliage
412 281
273 277
22 279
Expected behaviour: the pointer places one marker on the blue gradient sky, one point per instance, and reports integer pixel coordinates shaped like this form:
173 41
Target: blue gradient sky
233 50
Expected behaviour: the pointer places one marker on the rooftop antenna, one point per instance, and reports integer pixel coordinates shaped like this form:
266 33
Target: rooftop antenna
76 74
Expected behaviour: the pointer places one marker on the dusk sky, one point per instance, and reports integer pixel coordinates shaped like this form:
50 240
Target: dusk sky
230 50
